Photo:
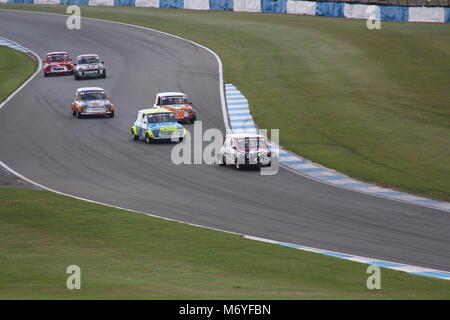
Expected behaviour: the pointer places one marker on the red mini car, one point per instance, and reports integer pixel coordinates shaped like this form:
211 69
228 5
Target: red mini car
58 63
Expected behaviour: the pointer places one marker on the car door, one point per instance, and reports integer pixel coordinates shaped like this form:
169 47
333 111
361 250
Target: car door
142 129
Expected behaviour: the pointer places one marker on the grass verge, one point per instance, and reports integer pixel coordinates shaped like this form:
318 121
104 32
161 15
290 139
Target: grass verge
128 255
369 103
15 68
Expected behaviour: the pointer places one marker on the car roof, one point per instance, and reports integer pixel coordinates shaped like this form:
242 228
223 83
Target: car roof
57 52
245 135
88 55
90 89
154 110
165 94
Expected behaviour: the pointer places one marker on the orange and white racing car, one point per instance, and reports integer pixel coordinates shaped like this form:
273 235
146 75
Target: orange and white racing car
92 101
178 103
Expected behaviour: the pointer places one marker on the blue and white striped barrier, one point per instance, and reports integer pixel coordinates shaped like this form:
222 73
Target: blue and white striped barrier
7 43
241 120
426 272
327 9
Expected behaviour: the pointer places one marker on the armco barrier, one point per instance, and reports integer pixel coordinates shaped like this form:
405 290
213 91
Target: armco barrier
330 9
225 5
270 6
327 9
391 13
179 4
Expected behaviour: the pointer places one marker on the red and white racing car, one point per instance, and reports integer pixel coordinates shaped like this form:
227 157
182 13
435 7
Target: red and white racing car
58 63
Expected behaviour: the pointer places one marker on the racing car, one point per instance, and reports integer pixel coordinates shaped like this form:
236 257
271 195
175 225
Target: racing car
89 66
178 103
245 149
157 124
57 63
92 101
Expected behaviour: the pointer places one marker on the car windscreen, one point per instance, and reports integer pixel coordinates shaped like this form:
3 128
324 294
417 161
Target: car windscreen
167 101
88 60
160 117
56 58
251 143
92 95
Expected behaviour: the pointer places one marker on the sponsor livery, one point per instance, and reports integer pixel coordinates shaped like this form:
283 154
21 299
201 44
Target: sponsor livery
92 101
57 63
89 66
178 103
157 124
245 149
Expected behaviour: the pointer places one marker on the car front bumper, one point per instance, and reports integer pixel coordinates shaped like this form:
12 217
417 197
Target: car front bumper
96 113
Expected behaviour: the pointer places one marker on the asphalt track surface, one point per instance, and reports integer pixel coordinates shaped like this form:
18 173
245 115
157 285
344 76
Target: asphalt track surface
97 159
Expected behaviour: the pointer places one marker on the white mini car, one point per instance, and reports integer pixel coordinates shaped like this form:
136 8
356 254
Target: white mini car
89 66
245 149
92 101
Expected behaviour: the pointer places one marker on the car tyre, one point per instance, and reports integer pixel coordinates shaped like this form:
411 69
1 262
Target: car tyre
223 163
45 74
76 76
111 115
103 76
148 139
79 115
135 137
238 165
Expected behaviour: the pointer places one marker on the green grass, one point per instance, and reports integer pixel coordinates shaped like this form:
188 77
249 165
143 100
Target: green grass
373 104
129 255
15 68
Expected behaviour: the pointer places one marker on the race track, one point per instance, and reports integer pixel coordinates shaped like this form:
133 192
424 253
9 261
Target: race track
97 159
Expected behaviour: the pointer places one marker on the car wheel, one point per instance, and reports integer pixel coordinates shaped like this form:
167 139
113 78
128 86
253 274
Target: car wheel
135 137
239 166
104 74
45 74
79 115
74 113
223 163
180 139
111 115
148 139
76 76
